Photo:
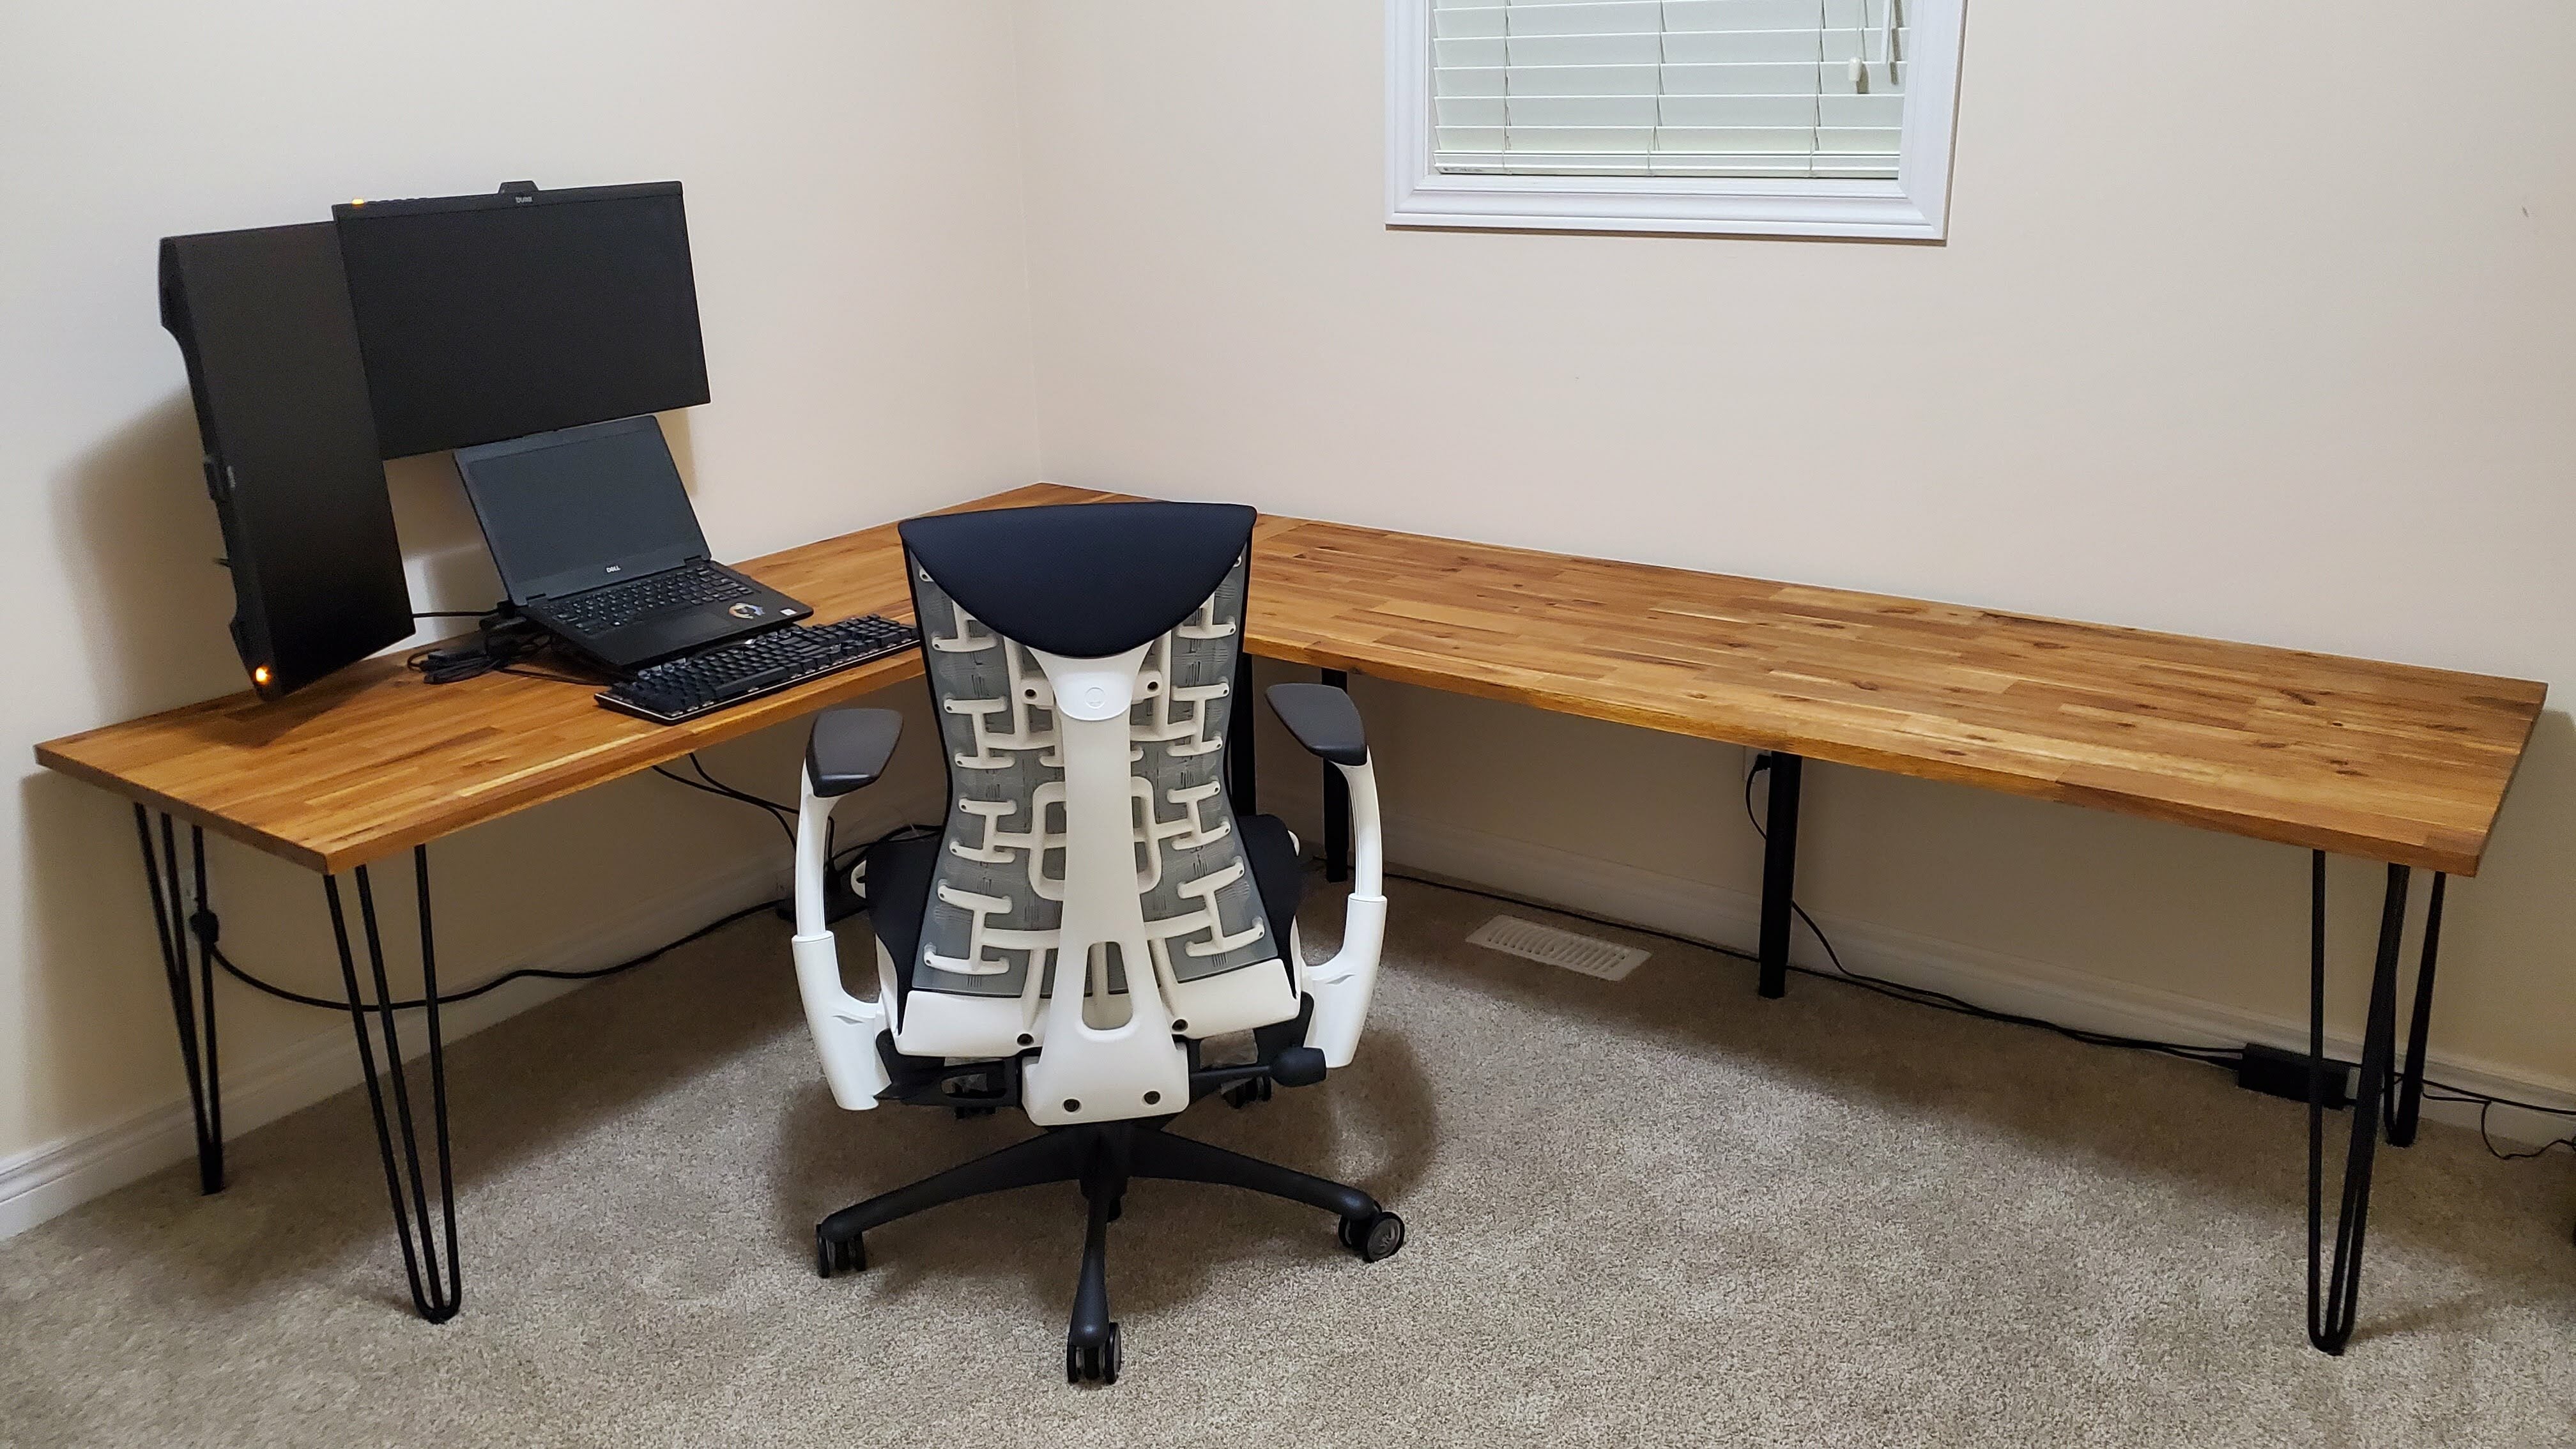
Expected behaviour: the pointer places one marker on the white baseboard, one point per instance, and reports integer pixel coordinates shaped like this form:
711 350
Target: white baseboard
1988 978
58 1176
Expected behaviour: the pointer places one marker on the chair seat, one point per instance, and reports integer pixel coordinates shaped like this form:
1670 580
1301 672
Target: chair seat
900 874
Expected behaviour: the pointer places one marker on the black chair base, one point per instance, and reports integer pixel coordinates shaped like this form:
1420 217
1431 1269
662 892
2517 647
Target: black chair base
1103 1158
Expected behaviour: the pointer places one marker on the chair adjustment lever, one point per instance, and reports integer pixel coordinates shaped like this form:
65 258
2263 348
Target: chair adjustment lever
1297 1066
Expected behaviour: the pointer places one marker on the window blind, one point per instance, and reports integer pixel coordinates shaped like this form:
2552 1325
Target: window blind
1668 87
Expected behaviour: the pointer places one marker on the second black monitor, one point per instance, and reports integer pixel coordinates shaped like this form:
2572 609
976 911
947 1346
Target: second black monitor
490 317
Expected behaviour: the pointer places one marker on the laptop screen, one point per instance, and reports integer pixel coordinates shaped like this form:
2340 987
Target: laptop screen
575 509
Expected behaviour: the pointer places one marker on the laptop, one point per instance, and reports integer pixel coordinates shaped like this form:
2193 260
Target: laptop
597 544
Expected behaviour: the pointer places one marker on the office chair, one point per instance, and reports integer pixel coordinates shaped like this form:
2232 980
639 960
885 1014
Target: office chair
1094 911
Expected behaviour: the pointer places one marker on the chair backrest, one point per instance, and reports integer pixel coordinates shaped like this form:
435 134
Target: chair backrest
1092 875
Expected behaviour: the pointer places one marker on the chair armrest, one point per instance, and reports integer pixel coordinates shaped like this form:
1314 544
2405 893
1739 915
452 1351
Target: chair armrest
1324 720
849 748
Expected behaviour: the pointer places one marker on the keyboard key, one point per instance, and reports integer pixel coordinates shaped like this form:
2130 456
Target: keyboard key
614 606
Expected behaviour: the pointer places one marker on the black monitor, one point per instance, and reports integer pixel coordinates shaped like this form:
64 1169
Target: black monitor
262 319
492 317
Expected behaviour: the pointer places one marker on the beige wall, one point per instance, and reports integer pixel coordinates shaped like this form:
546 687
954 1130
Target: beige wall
854 209
2253 322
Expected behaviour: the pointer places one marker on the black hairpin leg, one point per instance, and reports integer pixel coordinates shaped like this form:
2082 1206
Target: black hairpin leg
191 1002
2410 1083
2333 1295
1337 807
436 1300
1779 867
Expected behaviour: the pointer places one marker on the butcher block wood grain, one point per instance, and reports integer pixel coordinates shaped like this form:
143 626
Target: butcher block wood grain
373 760
2385 761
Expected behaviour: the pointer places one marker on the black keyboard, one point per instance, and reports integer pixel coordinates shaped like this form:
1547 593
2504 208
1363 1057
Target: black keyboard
614 606
710 679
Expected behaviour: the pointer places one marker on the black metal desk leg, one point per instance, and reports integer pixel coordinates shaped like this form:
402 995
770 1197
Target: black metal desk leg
435 1300
2333 1304
192 1003
1337 807
2402 1117
1238 740
1779 868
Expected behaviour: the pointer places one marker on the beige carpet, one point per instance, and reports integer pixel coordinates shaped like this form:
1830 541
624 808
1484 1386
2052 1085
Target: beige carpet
1655 1212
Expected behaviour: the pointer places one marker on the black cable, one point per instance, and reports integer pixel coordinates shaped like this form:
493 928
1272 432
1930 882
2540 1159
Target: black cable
835 858
2502 1156
707 775
1926 996
777 813
2487 1104
2226 1057
452 998
784 814
2215 1056
500 643
450 613
210 928
2472 1094
1916 995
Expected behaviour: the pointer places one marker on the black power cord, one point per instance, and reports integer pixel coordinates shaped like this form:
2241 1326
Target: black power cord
208 928
1925 996
502 642
2222 1057
2487 1104
1916 995
834 857
783 816
203 923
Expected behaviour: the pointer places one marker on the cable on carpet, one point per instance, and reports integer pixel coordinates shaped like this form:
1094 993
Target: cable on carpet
2213 1056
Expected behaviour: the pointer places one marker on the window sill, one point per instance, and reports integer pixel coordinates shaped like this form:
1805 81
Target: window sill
1882 210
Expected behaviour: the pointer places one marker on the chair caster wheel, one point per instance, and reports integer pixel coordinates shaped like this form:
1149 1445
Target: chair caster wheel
1092 1363
831 1257
1373 1237
1244 1094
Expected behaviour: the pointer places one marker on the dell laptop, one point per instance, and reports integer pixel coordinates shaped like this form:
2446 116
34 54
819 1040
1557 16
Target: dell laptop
597 544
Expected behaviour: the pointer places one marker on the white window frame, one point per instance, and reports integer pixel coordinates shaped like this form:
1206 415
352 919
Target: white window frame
1915 206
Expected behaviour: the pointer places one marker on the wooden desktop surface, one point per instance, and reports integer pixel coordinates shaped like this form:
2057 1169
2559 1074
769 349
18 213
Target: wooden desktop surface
2384 761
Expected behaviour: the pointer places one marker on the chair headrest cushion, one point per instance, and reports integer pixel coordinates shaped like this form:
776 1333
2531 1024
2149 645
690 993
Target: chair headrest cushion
1082 580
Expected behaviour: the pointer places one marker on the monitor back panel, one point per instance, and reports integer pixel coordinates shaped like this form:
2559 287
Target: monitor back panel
263 320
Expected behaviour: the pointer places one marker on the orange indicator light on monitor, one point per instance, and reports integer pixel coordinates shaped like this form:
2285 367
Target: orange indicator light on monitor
259 675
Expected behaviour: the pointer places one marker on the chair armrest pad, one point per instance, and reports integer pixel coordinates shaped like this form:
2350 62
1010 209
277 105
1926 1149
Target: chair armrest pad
1324 720
849 748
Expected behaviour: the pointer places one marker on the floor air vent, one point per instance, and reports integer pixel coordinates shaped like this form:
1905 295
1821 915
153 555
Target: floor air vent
1528 939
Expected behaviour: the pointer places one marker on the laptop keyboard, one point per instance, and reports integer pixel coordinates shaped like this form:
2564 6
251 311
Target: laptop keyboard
764 663
597 611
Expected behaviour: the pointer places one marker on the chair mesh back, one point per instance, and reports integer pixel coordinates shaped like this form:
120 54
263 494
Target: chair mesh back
995 898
